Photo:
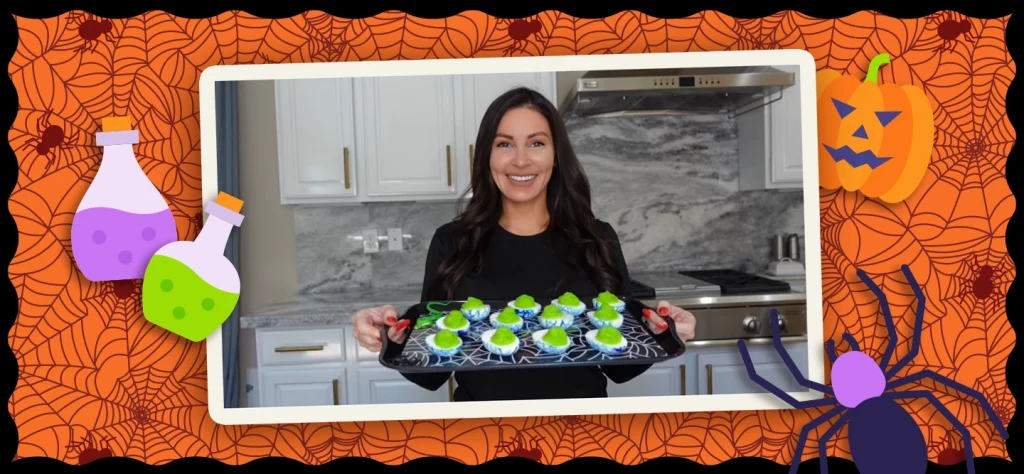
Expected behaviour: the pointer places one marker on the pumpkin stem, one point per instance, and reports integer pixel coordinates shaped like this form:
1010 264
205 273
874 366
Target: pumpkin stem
876 63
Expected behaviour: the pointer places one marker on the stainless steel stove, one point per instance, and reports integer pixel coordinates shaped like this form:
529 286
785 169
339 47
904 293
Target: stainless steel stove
727 304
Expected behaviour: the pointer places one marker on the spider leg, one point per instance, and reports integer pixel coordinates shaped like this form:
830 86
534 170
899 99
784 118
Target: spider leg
883 306
777 341
915 340
823 442
851 341
752 373
798 451
830 349
977 396
957 424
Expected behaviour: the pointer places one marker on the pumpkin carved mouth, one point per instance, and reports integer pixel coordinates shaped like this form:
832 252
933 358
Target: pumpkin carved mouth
856 159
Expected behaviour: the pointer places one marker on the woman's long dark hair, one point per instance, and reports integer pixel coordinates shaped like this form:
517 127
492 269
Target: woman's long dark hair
568 198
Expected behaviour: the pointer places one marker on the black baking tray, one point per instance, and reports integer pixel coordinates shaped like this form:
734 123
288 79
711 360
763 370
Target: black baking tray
413 356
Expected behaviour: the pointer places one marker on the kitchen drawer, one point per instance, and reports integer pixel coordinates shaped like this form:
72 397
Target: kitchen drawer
300 346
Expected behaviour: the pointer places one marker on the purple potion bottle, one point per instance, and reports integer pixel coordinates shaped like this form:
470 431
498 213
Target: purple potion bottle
122 219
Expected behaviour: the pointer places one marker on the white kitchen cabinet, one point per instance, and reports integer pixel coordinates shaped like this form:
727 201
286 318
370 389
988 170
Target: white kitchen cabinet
715 370
311 386
315 366
721 371
385 138
661 380
383 385
407 135
770 148
316 141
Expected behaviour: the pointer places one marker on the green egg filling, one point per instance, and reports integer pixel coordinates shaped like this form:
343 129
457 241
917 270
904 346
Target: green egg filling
606 313
508 316
609 336
455 319
503 337
472 303
568 299
525 302
446 339
551 312
606 297
556 337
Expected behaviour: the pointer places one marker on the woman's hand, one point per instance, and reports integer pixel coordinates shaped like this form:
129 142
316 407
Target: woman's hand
686 324
368 322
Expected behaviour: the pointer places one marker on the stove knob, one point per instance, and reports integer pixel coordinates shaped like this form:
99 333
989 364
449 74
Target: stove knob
752 324
782 323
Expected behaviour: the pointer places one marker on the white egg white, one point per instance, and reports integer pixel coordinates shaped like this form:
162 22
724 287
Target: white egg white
608 349
502 350
442 352
441 326
600 323
538 340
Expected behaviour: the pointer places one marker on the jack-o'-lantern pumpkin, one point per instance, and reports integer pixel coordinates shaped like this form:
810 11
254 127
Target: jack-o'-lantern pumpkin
873 138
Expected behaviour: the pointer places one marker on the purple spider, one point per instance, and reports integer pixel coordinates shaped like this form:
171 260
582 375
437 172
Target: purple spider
883 437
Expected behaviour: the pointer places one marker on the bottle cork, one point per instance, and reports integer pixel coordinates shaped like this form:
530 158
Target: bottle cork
116 124
229 201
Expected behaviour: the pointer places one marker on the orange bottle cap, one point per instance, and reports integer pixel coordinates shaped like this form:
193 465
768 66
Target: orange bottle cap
116 124
229 201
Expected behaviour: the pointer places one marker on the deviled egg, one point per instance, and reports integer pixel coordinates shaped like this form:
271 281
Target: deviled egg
552 317
444 343
454 322
607 340
525 306
475 310
570 304
507 318
605 316
552 341
501 341
606 298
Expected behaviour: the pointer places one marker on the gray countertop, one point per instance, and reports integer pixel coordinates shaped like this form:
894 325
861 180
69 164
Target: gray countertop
327 309
337 308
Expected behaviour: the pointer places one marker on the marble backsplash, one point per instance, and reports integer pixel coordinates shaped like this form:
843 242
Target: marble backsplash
669 186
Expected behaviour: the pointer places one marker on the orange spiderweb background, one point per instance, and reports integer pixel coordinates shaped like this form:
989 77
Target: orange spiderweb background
91 365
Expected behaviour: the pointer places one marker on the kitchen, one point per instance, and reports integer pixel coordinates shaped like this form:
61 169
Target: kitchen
705 191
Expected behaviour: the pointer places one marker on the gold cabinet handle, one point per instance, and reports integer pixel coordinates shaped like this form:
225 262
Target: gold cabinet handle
299 349
682 379
449 151
451 388
471 162
348 183
711 380
335 383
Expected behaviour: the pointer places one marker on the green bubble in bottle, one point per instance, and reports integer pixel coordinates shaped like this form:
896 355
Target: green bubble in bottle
191 288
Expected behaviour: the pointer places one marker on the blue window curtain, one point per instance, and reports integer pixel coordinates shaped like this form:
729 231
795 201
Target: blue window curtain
227 180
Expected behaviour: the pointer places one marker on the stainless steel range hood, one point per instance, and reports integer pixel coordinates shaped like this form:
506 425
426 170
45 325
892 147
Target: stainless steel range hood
732 90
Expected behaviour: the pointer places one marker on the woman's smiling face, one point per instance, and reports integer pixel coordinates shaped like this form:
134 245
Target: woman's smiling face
523 155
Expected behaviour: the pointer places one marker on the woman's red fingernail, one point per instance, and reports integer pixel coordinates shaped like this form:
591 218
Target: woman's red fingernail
379 339
400 326
391 319
663 311
647 313
662 325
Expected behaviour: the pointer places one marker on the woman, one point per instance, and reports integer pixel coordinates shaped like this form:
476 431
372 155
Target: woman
528 229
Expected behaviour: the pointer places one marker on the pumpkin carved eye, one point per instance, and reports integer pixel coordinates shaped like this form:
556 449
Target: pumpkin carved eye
843 108
886 117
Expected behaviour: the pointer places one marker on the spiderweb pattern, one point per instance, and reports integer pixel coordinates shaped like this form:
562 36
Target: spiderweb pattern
91 364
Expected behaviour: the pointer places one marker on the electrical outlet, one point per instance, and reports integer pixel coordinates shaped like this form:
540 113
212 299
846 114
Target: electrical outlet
395 239
371 242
